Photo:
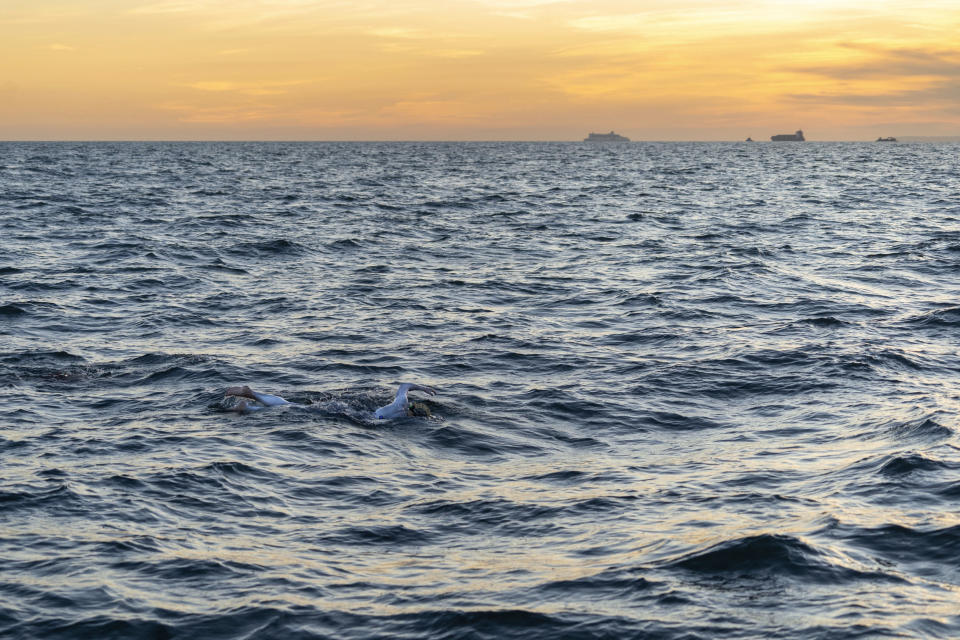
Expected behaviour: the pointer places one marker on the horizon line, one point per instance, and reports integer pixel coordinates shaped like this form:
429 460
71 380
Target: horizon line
904 138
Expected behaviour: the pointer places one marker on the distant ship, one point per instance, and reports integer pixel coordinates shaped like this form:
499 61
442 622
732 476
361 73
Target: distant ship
606 137
890 139
749 139
789 137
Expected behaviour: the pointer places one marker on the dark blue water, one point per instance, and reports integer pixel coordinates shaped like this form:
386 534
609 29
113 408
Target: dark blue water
686 391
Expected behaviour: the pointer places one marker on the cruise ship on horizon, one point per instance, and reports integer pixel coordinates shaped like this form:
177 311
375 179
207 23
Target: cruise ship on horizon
606 137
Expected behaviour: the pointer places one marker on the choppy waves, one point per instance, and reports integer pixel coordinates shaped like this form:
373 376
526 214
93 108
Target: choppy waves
687 390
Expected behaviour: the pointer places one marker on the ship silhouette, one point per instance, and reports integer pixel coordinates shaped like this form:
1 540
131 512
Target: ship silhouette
789 137
606 137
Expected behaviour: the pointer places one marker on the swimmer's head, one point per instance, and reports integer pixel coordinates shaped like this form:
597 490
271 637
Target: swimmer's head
418 410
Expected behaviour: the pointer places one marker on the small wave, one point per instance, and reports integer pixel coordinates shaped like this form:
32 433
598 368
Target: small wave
925 429
642 337
220 265
235 468
771 554
182 570
617 583
670 421
344 244
900 543
379 535
465 203
97 626
39 356
125 482
825 321
177 373
278 247
641 300
560 476
947 317
452 624
903 464
33 286
59 497
10 310
374 268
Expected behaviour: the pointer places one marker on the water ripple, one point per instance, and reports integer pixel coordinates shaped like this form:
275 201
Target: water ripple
686 390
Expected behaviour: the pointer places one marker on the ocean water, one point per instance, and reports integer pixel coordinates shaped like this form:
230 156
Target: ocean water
685 390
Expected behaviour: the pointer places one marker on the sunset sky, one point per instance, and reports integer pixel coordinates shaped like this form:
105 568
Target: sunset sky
477 69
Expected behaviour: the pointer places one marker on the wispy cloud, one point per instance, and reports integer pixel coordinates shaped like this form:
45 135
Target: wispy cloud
732 13
171 6
520 4
214 86
35 16
398 32
458 53
888 78
936 97
890 63
60 47
245 88
430 111
219 114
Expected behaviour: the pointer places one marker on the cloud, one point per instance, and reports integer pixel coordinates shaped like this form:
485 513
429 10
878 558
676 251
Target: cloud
397 32
627 22
233 13
941 94
434 110
244 88
220 115
171 6
61 47
684 17
520 4
890 78
36 16
458 53
891 63
404 40
515 15
214 86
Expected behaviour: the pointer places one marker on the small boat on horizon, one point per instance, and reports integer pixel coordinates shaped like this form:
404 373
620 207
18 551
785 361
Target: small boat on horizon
888 139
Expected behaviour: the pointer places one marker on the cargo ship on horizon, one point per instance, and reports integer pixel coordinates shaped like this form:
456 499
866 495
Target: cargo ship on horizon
788 137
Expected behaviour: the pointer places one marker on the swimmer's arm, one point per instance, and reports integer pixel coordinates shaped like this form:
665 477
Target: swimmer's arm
266 399
399 405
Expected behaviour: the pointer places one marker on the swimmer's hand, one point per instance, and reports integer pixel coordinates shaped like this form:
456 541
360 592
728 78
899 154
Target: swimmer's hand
419 387
399 407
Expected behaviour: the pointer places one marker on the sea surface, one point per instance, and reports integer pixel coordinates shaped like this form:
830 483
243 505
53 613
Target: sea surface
685 390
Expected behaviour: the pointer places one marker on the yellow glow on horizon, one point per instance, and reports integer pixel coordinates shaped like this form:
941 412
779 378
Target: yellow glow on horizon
477 69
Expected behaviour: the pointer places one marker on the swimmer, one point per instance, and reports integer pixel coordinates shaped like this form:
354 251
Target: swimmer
399 407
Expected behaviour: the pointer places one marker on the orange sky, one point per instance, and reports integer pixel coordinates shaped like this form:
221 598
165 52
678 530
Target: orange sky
477 69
